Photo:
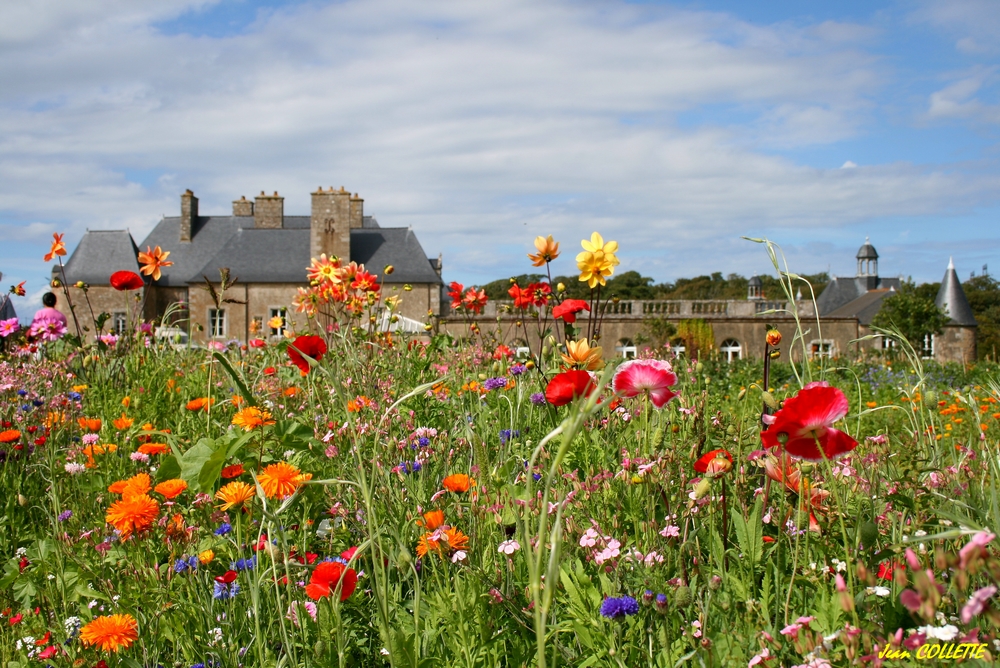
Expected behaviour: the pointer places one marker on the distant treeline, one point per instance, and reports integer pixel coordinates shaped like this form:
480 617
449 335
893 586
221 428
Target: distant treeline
633 285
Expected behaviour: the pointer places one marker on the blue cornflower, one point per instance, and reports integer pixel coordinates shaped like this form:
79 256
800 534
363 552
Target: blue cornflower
495 383
518 369
423 441
74 396
22 393
613 608
186 564
65 515
244 564
538 399
223 529
507 434
38 402
536 476
224 592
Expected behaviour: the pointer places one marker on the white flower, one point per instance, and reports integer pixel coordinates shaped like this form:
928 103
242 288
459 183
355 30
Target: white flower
878 591
458 556
509 547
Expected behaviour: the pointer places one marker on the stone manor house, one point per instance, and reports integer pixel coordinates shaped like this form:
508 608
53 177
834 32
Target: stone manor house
265 249
269 251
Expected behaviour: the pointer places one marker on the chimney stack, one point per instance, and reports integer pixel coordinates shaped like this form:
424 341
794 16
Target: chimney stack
189 215
333 214
242 207
269 211
357 212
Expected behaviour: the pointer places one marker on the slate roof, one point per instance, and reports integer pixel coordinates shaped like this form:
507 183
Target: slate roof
951 298
867 251
99 254
864 307
252 255
842 291
7 311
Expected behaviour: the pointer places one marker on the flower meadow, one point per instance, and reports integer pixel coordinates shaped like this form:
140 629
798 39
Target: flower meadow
350 497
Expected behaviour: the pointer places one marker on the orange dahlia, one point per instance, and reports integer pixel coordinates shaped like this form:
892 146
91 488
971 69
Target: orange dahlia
171 488
111 632
252 417
234 493
133 514
281 480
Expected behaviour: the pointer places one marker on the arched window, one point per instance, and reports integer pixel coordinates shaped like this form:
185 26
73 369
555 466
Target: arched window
731 349
626 348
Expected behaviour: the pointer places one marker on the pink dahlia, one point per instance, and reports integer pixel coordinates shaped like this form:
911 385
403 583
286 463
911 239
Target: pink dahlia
652 377
8 327
803 425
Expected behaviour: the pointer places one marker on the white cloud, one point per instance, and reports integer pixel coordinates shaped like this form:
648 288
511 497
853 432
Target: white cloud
957 100
481 124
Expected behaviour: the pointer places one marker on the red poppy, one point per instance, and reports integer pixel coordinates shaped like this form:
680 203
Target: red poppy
349 553
313 346
569 308
270 371
502 352
126 280
327 576
767 539
802 426
228 577
652 377
257 343
569 385
714 463
234 471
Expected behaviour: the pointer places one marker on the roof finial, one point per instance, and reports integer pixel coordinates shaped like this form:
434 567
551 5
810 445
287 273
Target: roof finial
951 263
866 238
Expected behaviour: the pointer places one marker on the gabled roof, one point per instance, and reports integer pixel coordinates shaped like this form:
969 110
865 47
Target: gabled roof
261 256
842 291
99 254
210 235
864 307
398 246
951 298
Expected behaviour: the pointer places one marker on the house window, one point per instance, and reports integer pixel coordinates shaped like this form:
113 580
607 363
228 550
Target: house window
276 321
118 322
626 348
927 346
819 348
888 343
731 349
216 322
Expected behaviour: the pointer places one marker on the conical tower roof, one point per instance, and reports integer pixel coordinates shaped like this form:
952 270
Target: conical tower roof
951 298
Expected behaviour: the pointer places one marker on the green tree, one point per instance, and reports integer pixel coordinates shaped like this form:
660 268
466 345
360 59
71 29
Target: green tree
983 293
911 312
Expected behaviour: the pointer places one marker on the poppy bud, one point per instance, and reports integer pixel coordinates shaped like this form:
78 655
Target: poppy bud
319 649
742 393
773 337
682 596
22 500
428 327
615 299
869 534
699 367
702 488
769 400
657 439
80 284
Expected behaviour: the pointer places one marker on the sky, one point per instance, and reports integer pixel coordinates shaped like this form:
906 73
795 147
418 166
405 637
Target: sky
674 128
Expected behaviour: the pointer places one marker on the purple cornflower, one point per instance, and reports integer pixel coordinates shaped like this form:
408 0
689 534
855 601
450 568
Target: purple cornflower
495 383
518 369
613 608
65 515
538 398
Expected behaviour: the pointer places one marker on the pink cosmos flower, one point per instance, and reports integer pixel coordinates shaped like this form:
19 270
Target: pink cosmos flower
802 426
977 603
8 327
973 547
47 330
652 377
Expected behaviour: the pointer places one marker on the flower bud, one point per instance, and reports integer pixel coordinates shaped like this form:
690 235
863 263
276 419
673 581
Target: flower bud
560 287
714 583
773 337
22 500
775 354
647 596
661 603
769 400
682 596
388 269
407 287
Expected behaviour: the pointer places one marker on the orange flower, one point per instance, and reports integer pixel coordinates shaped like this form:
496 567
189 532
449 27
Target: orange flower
252 417
281 480
152 261
58 247
134 513
134 486
582 356
234 494
89 424
111 632
53 418
9 436
291 391
548 250
433 519
442 542
126 401
458 482
122 423
199 403
95 449
171 488
154 448
118 486
233 471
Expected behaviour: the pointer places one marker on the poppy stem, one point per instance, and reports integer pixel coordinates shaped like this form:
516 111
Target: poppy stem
725 528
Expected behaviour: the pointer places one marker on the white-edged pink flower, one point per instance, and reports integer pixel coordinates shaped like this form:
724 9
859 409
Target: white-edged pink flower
977 603
979 541
509 547
671 531
652 377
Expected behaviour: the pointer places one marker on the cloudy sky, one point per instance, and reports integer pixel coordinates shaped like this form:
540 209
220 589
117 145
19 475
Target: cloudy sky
674 128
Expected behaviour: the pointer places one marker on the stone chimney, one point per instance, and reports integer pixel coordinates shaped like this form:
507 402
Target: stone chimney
242 207
189 215
333 214
269 211
357 212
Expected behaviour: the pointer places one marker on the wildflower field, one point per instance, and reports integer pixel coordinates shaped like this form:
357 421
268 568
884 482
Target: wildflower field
350 497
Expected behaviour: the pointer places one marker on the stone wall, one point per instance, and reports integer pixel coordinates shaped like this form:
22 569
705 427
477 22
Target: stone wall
956 344
102 299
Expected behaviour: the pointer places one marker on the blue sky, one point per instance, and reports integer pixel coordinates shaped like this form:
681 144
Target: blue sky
674 128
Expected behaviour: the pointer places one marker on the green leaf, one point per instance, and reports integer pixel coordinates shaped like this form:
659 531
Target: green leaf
193 461
211 469
749 535
237 378
292 434
169 469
